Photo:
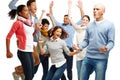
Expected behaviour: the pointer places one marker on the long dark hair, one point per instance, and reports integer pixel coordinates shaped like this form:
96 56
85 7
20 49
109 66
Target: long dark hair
63 35
13 12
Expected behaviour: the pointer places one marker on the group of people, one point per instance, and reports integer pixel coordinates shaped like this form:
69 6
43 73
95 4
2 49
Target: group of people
36 42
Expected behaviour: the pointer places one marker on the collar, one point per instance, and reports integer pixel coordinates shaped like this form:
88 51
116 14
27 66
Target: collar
55 39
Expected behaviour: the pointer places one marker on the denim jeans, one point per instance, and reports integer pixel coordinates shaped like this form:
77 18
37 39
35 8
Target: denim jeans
69 66
27 62
45 64
98 65
79 65
56 73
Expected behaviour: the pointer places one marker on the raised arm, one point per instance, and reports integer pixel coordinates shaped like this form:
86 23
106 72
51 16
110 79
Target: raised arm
12 4
51 18
80 6
50 7
50 14
41 16
77 27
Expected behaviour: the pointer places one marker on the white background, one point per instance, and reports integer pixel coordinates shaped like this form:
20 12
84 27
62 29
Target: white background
60 8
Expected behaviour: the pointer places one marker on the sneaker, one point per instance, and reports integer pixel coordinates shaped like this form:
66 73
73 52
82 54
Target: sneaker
15 76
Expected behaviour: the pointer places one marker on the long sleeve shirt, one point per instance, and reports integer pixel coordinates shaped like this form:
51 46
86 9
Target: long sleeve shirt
99 34
24 35
69 29
80 33
12 4
35 19
55 49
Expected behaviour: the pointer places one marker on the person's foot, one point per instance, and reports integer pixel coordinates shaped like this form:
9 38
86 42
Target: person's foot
15 76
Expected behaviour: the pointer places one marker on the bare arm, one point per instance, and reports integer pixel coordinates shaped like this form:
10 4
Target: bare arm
73 53
8 53
50 7
77 27
51 13
52 20
43 11
80 6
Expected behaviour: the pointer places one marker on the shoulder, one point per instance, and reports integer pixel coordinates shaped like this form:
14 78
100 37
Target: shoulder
18 22
108 23
62 41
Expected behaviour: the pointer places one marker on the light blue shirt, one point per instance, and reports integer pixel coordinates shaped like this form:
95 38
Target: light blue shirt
69 29
99 35
12 4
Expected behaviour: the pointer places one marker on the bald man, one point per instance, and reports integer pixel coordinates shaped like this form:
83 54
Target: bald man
99 40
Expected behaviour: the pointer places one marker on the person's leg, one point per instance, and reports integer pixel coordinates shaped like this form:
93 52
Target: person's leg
36 56
36 66
51 72
59 72
69 60
78 65
100 66
26 59
45 65
86 69
69 67
63 77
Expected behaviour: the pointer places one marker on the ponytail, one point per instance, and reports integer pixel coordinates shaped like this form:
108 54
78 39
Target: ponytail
12 13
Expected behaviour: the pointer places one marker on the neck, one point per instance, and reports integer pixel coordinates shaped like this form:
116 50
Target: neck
99 19
33 14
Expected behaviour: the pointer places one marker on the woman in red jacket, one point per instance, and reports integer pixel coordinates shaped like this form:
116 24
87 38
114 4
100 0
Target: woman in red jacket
24 33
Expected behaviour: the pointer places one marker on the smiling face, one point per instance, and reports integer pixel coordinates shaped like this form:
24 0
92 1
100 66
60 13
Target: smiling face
57 33
85 21
66 20
45 26
32 7
24 13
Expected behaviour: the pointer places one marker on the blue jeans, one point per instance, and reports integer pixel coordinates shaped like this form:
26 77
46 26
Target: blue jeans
56 73
69 66
79 65
45 64
98 65
27 62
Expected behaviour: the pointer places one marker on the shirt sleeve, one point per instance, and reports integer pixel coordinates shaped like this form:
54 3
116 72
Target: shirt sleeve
56 22
85 41
12 30
12 4
111 37
65 48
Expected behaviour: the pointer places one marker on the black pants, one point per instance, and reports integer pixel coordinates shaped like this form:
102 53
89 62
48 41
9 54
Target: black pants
69 60
27 62
45 64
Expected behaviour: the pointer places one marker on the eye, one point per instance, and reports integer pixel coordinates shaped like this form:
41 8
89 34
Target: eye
96 9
